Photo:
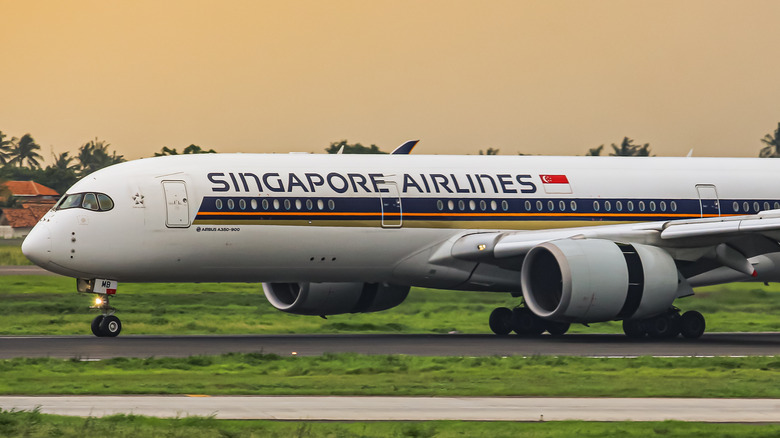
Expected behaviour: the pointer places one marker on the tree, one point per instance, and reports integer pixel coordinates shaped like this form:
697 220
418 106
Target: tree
356 148
60 175
628 149
6 146
94 156
772 148
490 151
595 152
25 150
191 149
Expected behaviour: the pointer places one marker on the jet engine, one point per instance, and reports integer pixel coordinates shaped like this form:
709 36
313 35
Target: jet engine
334 298
592 280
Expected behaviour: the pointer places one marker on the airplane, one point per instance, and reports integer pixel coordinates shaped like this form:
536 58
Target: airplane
575 239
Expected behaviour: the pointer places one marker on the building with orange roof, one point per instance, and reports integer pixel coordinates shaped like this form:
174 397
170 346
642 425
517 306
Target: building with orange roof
35 200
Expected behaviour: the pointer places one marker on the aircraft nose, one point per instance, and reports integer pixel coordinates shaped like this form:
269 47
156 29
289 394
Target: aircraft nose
37 245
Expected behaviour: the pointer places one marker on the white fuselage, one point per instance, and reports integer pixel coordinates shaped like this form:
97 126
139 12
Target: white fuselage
331 218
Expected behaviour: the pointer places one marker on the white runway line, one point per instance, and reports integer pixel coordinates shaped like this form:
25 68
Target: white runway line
408 408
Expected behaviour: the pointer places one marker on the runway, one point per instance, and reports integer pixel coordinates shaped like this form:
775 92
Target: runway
592 345
408 408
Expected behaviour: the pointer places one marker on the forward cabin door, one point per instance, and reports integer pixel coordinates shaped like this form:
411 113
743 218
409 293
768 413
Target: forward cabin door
708 200
390 203
176 204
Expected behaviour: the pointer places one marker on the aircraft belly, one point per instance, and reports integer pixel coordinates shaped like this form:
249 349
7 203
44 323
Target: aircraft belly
270 254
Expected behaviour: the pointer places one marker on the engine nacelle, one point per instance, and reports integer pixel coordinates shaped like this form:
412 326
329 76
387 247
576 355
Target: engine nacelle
334 298
592 280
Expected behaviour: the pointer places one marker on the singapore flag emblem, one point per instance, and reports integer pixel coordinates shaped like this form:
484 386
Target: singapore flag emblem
555 183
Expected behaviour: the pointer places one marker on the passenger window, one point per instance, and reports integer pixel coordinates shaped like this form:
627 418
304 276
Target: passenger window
287 204
766 205
735 206
90 202
527 205
641 205
673 204
538 205
218 204
562 205
595 205
253 203
482 205
573 205
331 204
755 206
630 205
662 204
777 205
461 205
550 205
607 206
231 204
320 204
440 205
493 205
746 207
264 204
618 206
242 204
472 205
652 205
504 205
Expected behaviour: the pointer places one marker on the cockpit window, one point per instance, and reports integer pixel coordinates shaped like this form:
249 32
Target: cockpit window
90 202
71 201
87 201
105 202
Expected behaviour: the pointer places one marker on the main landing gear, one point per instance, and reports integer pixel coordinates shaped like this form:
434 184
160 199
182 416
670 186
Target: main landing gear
690 324
523 322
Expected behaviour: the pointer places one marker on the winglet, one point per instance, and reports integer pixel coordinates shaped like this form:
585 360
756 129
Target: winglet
405 148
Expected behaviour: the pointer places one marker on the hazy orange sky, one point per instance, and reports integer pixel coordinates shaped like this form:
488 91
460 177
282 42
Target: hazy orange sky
538 77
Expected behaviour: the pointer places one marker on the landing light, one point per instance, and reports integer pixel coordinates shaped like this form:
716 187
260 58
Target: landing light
98 301
481 247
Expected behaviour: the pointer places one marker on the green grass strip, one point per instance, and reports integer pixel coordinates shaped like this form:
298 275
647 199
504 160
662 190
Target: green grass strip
353 374
35 424
42 305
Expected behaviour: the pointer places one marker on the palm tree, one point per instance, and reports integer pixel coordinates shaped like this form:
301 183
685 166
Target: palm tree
6 146
63 162
595 152
628 149
25 150
772 148
94 155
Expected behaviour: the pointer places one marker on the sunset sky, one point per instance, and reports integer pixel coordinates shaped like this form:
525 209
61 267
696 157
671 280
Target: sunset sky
537 77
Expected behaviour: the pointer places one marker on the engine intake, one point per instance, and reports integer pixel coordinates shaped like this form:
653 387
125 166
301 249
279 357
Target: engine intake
333 298
592 280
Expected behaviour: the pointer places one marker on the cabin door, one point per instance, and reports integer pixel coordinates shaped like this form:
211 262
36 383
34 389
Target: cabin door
176 204
390 203
708 200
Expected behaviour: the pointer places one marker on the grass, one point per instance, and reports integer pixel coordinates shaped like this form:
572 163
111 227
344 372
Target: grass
353 374
11 255
49 305
35 424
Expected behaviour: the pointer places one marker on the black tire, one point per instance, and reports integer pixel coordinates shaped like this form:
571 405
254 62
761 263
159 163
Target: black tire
692 324
525 323
556 328
634 328
501 321
96 326
111 326
663 326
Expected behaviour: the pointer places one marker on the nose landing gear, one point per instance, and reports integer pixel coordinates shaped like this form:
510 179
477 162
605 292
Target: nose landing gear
107 324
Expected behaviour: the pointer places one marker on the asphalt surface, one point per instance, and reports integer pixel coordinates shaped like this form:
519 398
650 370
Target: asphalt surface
408 408
90 347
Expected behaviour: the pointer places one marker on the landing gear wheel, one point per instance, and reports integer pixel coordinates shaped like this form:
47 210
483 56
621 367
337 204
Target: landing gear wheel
525 323
556 328
501 321
96 325
664 326
634 328
692 324
111 326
